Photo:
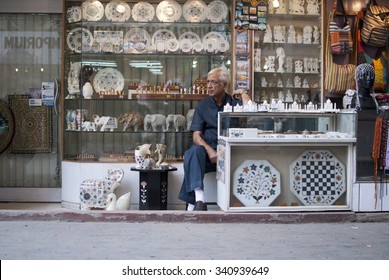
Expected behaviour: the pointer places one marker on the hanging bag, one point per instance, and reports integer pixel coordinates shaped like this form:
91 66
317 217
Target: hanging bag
339 78
341 40
375 30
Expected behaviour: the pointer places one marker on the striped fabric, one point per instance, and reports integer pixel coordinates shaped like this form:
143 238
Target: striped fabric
341 41
375 31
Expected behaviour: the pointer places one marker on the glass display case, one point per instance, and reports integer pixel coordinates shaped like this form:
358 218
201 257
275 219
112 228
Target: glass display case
286 161
134 71
287 56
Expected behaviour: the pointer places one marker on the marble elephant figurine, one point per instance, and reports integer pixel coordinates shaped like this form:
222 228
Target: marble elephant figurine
94 192
131 121
176 122
88 126
105 123
155 122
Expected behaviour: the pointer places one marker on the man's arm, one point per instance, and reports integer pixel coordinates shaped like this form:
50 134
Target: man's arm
242 95
198 140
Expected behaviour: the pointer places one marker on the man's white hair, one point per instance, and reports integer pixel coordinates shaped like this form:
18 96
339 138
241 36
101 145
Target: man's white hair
223 73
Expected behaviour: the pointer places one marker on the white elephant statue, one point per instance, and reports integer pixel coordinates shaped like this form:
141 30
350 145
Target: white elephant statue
178 122
88 126
94 192
155 122
105 123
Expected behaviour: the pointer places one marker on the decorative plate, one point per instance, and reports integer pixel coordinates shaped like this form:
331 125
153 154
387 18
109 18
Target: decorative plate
109 41
73 14
108 79
256 183
162 34
168 11
117 11
186 45
160 45
217 11
172 45
223 46
136 40
195 11
197 46
211 45
143 11
92 10
317 177
193 37
213 35
78 38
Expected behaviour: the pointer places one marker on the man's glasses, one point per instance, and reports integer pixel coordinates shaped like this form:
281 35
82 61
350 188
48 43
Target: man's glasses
214 82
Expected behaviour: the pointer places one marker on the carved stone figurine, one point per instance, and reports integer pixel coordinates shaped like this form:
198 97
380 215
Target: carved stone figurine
131 121
161 150
94 192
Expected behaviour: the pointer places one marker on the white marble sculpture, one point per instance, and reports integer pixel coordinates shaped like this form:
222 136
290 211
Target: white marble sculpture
105 123
280 52
298 66
288 96
281 10
257 60
269 63
280 84
289 83
121 204
296 7
74 80
307 65
316 35
263 82
94 192
281 95
175 122
279 34
154 122
268 37
289 64
297 82
305 83
307 34
313 7
291 35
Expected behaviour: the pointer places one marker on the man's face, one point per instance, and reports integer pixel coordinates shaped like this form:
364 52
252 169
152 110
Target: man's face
215 86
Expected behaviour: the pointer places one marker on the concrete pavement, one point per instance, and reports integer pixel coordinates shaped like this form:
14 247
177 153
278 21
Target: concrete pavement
60 240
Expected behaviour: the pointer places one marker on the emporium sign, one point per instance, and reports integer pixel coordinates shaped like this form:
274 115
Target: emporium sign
40 47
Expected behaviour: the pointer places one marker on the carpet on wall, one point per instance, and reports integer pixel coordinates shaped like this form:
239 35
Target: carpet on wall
33 127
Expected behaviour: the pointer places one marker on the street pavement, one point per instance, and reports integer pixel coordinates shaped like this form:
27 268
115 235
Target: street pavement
67 240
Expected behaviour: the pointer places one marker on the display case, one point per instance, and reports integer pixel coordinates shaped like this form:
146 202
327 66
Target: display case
134 71
287 56
286 161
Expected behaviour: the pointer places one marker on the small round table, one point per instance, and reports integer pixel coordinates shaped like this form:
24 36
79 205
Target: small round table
153 186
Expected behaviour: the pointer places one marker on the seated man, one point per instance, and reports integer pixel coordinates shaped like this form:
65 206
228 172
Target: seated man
201 157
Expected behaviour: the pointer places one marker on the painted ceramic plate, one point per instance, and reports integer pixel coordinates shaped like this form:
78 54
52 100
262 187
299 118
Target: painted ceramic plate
217 11
256 183
92 10
168 11
197 46
186 45
109 41
73 14
317 177
117 11
143 11
136 40
172 45
79 38
193 37
195 11
162 35
108 79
